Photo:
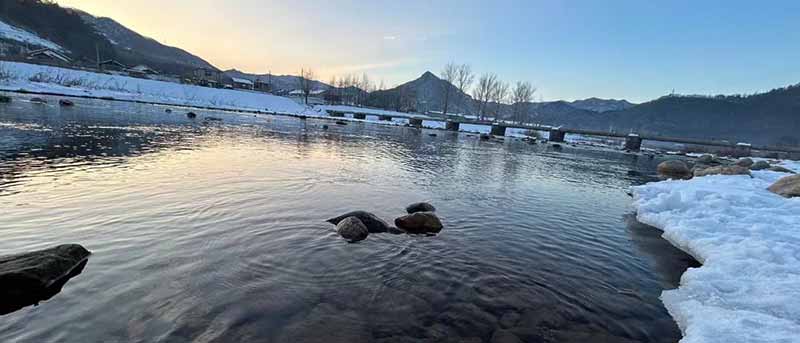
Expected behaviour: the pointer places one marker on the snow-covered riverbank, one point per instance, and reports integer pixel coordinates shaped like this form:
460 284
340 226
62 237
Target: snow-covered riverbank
45 79
748 240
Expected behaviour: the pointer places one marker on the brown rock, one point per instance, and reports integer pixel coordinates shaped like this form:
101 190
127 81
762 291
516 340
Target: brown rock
371 221
760 165
352 229
722 170
745 162
420 207
419 222
674 169
788 186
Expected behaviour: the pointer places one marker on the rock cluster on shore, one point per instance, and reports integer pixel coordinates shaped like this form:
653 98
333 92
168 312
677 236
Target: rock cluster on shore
705 165
357 225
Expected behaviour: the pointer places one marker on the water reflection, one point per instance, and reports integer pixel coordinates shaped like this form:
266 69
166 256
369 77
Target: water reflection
217 232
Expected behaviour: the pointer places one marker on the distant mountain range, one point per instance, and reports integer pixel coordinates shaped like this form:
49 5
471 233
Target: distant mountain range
768 118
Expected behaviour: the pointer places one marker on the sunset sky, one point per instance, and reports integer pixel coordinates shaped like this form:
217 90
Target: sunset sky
637 50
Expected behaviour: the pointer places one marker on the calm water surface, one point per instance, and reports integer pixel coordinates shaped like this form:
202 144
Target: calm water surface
216 233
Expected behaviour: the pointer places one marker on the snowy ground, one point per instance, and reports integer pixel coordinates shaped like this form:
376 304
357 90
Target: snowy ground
748 240
39 78
374 111
13 33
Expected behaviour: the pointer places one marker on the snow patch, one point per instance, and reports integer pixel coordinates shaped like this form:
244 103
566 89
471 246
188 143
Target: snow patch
13 33
748 240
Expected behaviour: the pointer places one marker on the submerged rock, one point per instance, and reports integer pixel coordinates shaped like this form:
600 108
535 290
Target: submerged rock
760 165
675 169
420 207
191 115
352 229
485 136
505 336
745 162
30 277
371 221
722 170
339 122
419 222
168 110
66 103
5 99
788 186
38 101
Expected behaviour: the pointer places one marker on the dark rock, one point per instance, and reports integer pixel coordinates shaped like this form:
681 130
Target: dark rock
28 278
745 162
675 169
706 159
485 136
419 222
420 207
352 229
339 122
191 115
212 119
324 127
788 186
66 103
760 165
168 110
504 336
568 336
38 101
371 221
781 169
432 134
556 145
5 99
302 117
722 170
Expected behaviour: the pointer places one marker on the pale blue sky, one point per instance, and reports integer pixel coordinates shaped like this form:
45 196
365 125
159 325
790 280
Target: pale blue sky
637 50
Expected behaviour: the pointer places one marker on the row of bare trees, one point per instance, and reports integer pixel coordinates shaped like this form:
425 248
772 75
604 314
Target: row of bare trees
489 95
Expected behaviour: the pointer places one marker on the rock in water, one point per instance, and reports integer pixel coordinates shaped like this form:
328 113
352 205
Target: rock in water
420 207
745 162
28 278
38 101
5 99
788 186
722 170
352 229
419 222
760 165
705 159
66 103
168 110
675 169
781 169
371 221
191 115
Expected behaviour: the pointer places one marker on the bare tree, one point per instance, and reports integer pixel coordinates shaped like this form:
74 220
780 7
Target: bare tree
305 82
483 91
449 74
464 78
499 96
521 97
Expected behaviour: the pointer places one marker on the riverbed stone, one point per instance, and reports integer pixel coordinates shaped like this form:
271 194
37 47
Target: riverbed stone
29 277
38 101
509 319
468 320
675 169
759 165
781 169
744 162
419 222
504 336
420 207
787 186
324 324
66 103
352 229
371 221
722 170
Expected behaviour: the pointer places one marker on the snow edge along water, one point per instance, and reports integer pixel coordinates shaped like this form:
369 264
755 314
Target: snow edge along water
748 241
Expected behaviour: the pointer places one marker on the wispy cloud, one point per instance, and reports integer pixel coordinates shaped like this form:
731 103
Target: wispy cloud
389 37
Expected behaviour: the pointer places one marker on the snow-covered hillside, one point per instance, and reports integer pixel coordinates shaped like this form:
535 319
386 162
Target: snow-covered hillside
16 34
38 78
748 240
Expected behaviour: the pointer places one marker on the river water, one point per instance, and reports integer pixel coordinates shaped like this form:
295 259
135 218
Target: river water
206 231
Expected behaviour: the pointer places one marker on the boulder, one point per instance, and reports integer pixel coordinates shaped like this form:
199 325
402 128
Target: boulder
191 115
30 277
781 169
420 207
675 169
705 159
787 186
66 103
744 162
722 170
419 222
760 165
352 229
371 221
